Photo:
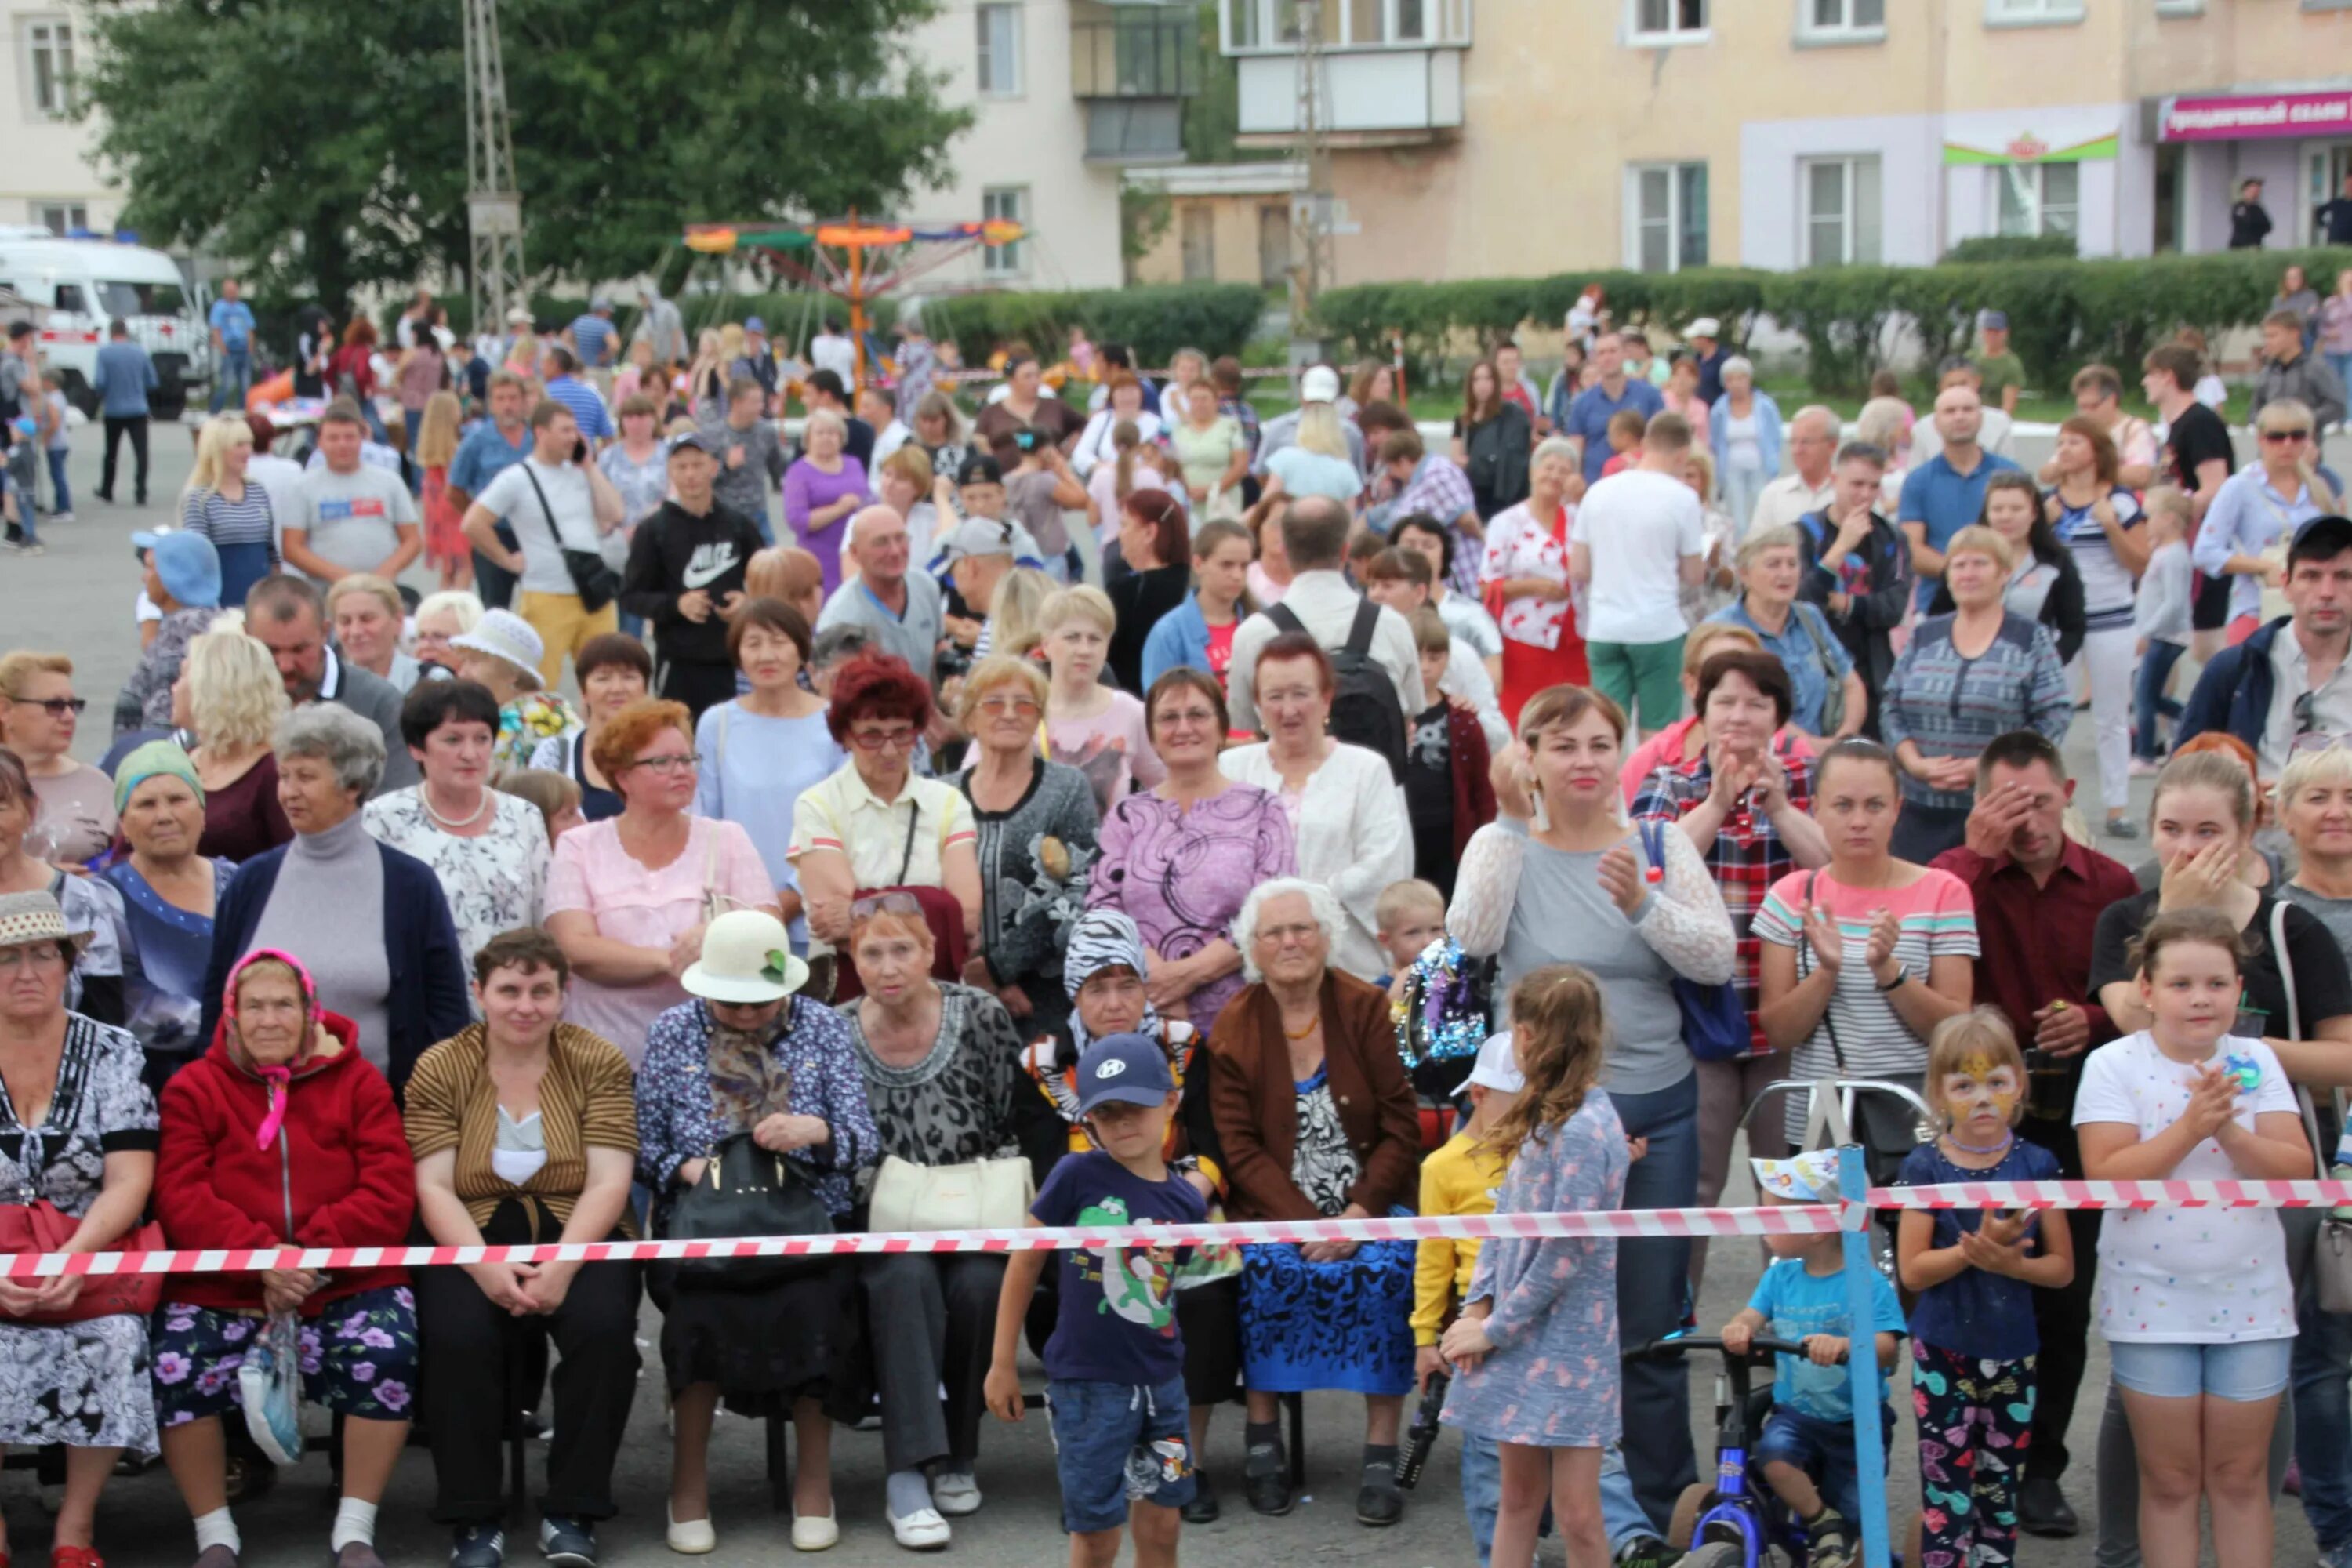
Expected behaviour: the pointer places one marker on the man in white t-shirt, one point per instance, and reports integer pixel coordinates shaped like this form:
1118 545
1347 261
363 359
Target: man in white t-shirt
349 516
831 350
555 500
1637 542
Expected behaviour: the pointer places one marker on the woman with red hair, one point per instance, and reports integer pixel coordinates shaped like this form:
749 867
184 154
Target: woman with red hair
876 824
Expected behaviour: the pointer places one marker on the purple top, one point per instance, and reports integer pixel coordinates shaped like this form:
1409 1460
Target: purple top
1180 875
808 488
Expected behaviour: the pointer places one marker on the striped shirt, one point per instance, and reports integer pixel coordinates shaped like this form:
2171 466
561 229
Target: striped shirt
229 523
1860 1035
1950 704
588 410
587 1099
2107 584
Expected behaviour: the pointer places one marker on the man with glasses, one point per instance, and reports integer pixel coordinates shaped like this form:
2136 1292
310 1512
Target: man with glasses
2261 504
2289 372
2288 680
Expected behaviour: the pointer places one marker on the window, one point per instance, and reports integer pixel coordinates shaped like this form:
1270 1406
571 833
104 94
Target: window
998 66
2031 12
1008 204
1669 21
49 45
2179 8
1841 208
1200 243
1240 24
1839 20
69 300
144 298
2039 198
1274 252
61 218
1669 217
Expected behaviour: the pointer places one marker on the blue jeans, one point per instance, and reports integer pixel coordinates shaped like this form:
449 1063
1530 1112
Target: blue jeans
236 372
1481 1497
1822 1449
60 488
1115 1444
1653 1291
2149 703
2343 363
2323 1416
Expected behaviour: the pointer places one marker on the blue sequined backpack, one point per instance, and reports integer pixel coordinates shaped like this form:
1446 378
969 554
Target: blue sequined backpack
1441 1016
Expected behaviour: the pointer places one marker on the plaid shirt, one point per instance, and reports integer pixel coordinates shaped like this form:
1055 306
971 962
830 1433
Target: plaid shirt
1441 488
1746 857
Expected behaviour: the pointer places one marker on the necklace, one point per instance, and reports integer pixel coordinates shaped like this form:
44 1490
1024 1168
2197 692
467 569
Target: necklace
449 824
2000 1148
1312 1025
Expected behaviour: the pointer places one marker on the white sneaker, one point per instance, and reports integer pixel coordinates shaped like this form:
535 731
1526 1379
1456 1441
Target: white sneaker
956 1493
921 1531
691 1537
61 517
815 1532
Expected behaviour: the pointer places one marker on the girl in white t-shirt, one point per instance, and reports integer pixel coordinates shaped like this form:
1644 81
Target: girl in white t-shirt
2196 1304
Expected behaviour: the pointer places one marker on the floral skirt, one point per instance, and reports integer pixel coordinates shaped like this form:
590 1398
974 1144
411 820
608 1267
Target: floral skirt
1344 1325
359 1357
83 1384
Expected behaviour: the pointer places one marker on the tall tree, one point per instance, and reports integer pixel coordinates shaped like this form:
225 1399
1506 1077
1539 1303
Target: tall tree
321 144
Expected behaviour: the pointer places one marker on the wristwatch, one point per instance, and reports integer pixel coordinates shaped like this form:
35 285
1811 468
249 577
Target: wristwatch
1900 976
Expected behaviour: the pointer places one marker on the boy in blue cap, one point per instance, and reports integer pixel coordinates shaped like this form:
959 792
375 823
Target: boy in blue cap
1114 1366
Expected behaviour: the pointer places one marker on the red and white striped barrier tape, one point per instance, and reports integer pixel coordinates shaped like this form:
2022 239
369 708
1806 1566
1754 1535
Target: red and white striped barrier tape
1789 1220
2305 1194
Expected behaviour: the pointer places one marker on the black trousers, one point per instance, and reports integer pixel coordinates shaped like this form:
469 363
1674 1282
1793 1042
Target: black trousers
469 1345
2061 1318
134 427
931 1320
699 686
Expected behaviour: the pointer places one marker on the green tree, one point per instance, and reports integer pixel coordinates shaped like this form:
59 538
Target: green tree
321 144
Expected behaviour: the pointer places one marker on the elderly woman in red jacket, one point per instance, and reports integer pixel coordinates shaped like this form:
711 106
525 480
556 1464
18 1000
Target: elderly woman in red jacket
282 1133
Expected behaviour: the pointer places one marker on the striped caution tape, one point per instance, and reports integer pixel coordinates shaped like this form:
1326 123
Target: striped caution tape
2304 1193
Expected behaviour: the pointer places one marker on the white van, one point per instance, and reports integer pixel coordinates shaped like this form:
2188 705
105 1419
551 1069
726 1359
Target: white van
89 284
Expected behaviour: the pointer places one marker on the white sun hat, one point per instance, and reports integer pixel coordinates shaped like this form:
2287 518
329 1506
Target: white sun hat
747 959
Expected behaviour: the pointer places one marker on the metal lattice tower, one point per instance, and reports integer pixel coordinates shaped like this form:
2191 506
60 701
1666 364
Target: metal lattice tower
493 200
1312 269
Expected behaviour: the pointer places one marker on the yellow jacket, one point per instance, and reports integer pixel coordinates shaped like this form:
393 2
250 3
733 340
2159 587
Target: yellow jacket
1464 1177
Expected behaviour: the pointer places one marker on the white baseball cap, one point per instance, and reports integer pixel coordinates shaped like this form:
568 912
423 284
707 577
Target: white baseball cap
1498 1065
1705 327
1320 384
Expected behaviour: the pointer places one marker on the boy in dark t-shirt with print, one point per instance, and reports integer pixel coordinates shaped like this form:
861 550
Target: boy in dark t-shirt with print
1114 1366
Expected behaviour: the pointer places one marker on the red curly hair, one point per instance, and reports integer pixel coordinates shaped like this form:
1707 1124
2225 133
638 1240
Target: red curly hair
876 685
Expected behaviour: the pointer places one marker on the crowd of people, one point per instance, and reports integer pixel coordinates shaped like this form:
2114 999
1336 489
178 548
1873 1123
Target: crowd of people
1303 823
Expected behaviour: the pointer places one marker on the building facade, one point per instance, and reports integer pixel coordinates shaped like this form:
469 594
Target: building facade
1541 136
49 176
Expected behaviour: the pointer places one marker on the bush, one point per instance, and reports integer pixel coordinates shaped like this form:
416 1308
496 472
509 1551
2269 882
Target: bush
2013 248
1215 318
2063 314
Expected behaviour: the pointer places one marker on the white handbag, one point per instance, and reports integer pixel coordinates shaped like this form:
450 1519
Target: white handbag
982 1194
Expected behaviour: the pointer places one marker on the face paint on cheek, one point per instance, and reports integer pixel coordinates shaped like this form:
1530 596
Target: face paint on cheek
1980 1088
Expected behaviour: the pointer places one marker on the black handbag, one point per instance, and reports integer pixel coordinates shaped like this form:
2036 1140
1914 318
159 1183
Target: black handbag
591 578
746 1191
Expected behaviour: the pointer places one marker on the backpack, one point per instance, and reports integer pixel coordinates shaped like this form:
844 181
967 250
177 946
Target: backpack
1365 708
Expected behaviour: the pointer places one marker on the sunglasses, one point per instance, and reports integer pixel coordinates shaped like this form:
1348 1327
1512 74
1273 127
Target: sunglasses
2305 721
882 740
886 904
59 707
2282 438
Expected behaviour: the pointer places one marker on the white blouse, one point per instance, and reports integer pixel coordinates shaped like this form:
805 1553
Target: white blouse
1352 837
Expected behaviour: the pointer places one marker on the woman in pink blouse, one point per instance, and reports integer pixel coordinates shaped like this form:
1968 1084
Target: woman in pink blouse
627 898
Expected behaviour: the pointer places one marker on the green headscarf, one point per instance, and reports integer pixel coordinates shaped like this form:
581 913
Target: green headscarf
147 762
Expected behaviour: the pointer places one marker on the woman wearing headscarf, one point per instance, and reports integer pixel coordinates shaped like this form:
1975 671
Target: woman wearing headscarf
1103 968
169 892
282 1134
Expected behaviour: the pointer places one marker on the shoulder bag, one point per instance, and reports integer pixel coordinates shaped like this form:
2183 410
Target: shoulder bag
593 578
1834 705
1715 1024
745 1191
2331 1260
980 1195
34 1224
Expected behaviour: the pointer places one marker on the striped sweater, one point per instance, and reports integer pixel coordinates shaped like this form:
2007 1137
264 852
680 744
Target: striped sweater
1949 705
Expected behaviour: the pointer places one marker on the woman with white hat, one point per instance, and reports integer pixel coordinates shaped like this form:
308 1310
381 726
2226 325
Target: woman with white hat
77 1135
503 652
750 1058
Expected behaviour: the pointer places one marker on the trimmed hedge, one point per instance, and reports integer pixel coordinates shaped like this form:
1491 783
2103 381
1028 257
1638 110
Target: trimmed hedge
2061 313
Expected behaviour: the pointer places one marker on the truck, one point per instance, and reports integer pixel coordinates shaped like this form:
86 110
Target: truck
85 285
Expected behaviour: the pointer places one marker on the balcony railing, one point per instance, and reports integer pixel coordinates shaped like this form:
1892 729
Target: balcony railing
1143 56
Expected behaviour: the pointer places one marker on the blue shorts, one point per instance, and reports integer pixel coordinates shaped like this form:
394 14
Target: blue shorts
1115 1444
1822 1449
2243 1372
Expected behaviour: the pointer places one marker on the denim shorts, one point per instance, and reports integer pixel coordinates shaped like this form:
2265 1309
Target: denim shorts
1115 1443
1822 1449
2241 1372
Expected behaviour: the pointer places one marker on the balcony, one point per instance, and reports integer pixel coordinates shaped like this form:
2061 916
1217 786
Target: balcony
1391 69
1133 74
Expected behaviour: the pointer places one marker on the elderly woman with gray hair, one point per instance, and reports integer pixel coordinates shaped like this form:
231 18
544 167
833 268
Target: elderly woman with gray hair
1525 568
1744 433
369 922
822 491
1317 1120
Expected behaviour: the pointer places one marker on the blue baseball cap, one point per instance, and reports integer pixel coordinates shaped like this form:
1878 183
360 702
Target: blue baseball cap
754 324
1128 1068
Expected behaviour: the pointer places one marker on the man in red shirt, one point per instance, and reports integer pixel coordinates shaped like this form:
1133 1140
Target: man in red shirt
2038 897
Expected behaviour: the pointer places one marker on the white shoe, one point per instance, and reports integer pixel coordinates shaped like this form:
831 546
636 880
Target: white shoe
815 1532
955 1493
921 1531
61 517
691 1537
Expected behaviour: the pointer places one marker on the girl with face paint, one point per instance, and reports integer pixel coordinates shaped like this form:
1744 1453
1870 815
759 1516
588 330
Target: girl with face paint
1973 1338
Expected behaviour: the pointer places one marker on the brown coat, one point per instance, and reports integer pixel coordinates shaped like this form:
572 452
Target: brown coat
1256 1107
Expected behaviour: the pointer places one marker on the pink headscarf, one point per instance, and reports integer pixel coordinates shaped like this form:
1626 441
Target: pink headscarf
275 1078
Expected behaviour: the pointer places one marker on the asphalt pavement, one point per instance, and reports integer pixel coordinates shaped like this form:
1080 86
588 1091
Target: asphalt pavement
78 597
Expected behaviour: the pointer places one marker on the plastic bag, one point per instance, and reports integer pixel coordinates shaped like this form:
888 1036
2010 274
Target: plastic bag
271 1384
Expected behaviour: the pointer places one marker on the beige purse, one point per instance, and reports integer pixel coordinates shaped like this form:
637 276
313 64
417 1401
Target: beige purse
982 1194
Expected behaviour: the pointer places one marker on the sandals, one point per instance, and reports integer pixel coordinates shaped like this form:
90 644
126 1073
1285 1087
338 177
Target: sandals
67 1557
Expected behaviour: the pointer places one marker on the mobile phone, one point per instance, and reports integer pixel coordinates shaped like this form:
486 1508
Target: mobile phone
579 451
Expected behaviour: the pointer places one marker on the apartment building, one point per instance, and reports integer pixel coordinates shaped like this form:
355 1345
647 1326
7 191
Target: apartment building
49 174
1528 137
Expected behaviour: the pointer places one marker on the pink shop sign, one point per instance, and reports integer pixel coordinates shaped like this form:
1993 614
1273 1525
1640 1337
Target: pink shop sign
2244 117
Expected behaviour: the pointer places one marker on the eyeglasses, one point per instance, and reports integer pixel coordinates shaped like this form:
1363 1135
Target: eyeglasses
882 740
886 904
2281 437
1020 707
41 955
673 763
59 707
2305 719
1170 719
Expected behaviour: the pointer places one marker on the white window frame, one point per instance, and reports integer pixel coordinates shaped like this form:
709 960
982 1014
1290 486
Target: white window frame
1673 35
1634 222
1257 26
61 218
1812 31
1005 202
990 77
2041 206
2180 8
1849 218
2033 13
51 25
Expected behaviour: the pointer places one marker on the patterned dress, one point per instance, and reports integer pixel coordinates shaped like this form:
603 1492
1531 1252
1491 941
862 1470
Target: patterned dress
956 1104
494 881
1551 1381
86 1383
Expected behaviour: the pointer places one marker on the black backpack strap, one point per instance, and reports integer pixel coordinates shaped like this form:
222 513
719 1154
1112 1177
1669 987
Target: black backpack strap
1359 635
1286 617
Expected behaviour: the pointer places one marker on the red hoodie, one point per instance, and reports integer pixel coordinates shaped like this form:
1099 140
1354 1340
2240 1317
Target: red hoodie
340 1163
